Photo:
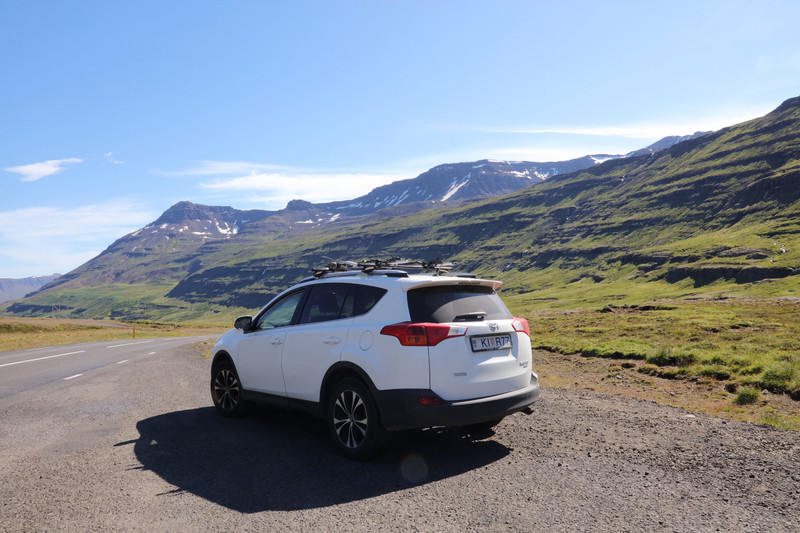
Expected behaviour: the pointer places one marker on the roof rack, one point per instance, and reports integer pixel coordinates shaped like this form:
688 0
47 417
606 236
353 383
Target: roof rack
378 266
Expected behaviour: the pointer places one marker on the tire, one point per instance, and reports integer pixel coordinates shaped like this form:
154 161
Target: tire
226 391
354 420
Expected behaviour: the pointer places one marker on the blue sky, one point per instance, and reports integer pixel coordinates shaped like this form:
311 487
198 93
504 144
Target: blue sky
112 111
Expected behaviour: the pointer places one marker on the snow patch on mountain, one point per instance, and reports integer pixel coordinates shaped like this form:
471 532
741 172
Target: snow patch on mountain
454 187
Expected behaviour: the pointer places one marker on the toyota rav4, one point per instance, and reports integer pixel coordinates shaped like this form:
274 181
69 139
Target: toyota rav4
377 347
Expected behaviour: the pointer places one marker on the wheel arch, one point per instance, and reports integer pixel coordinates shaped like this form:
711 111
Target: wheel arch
338 372
221 357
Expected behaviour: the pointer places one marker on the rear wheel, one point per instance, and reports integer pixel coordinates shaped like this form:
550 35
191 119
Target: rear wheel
226 390
353 420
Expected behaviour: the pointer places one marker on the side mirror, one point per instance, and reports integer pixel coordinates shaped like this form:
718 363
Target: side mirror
243 323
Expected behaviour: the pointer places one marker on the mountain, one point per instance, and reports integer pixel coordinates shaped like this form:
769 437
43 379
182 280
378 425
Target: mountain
168 248
457 182
13 288
716 213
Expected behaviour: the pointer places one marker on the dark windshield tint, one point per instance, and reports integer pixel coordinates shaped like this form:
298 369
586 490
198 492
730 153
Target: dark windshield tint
455 303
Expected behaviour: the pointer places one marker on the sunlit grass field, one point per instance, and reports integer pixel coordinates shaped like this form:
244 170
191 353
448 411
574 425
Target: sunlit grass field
737 356
26 333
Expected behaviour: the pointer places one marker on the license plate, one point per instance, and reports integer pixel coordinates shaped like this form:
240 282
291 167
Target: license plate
492 342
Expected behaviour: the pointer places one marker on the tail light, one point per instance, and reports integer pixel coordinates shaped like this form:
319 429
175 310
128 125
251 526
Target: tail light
422 334
521 326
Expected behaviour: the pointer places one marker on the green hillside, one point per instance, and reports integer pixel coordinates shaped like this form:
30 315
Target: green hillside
719 214
714 215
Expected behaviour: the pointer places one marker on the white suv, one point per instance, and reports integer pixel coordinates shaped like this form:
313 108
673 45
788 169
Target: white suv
376 350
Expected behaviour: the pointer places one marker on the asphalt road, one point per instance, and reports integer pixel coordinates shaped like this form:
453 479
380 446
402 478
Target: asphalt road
30 369
123 437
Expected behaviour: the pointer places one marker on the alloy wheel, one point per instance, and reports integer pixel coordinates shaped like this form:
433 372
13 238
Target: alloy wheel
227 389
350 419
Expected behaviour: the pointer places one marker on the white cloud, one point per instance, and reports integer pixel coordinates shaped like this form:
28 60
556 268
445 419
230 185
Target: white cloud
711 121
109 156
222 168
44 240
36 171
274 186
277 189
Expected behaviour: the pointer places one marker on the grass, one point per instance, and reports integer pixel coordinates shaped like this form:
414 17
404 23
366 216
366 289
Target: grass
705 355
747 396
27 333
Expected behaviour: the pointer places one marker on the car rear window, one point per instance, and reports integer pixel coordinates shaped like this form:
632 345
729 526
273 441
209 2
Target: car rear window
455 303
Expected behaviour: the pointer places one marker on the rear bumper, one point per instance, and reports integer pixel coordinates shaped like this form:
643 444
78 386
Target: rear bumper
401 408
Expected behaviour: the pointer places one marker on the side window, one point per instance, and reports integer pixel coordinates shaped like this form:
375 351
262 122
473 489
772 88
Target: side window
325 302
281 313
366 298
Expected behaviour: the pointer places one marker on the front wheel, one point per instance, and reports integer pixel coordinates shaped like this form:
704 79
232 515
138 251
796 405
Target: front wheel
226 390
353 420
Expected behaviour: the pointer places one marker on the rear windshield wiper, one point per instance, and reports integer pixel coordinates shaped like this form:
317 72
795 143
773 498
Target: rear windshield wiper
466 317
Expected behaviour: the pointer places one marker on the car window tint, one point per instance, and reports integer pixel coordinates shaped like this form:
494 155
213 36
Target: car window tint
348 308
324 302
366 298
280 314
443 303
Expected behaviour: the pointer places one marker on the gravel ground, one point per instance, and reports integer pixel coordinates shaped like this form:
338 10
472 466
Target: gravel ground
138 447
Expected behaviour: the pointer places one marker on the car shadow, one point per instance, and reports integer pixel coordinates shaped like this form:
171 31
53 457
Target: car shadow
281 461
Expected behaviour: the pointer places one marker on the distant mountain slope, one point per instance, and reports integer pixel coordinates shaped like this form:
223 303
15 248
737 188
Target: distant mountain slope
457 182
13 288
167 249
716 212
666 142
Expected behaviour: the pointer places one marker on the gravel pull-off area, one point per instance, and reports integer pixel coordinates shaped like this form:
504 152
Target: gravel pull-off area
138 447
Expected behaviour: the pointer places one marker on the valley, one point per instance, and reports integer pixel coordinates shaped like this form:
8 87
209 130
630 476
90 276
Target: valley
675 235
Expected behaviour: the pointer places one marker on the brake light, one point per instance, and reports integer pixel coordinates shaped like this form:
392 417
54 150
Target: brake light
521 326
422 334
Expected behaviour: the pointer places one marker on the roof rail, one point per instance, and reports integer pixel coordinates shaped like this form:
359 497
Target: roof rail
379 266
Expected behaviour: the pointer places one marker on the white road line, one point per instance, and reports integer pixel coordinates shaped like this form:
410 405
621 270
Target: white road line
73 377
129 344
123 361
41 358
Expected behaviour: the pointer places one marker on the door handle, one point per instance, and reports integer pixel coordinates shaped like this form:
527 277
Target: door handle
332 340
276 341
